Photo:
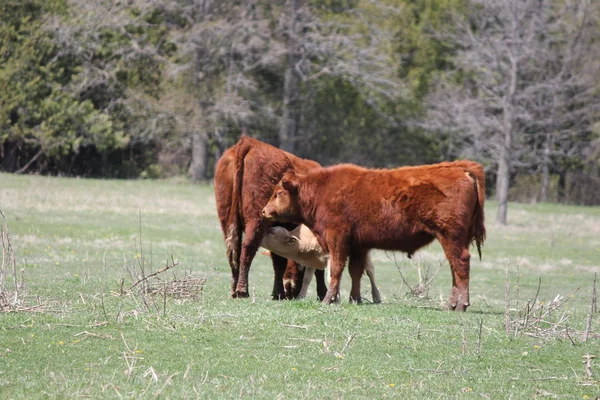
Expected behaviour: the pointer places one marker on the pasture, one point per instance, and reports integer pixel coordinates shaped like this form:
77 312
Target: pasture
84 338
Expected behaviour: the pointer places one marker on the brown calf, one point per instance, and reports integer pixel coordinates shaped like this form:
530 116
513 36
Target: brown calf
352 210
244 179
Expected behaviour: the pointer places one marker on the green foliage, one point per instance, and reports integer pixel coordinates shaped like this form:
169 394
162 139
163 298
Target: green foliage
527 189
36 106
421 51
348 129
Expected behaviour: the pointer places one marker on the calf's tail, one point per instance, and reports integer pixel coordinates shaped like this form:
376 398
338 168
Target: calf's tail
477 228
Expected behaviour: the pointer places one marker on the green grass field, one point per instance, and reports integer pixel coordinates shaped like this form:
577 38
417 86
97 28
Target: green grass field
83 339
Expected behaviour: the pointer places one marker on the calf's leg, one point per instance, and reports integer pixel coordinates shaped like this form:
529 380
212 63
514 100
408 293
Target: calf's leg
337 261
308 275
321 286
370 269
457 253
282 267
356 267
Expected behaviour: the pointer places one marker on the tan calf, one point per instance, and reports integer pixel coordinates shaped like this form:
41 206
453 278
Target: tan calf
302 246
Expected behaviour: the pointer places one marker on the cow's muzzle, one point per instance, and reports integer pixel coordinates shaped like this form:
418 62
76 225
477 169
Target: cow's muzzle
265 215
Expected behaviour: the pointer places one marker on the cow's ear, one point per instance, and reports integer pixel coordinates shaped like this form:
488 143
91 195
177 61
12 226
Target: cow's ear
291 240
290 184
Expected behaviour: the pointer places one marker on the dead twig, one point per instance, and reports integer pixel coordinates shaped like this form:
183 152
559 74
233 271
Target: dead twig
588 364
160 271
421 289
295 326
96 335
507 299
479 336
348 341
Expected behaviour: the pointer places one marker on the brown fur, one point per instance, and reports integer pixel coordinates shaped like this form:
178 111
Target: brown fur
244 179
352 210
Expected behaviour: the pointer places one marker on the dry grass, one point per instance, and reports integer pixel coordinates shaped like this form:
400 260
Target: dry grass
147 285
546 320
188 287
13 297
10 292
425 275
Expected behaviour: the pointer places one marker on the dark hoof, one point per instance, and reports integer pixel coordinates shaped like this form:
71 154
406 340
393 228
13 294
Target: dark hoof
278 296
355 300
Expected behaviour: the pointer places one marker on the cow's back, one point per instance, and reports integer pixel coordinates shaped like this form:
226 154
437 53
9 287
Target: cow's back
263 167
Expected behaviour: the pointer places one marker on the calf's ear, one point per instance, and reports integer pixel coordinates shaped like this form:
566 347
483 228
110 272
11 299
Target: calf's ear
290 184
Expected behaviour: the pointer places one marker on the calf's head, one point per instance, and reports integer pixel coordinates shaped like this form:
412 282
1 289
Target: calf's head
283 204
281 241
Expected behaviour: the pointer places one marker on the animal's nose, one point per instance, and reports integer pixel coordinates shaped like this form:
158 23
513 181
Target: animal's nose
263 213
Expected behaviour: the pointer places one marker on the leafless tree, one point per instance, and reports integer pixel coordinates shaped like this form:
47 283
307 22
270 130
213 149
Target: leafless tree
506 47
566 103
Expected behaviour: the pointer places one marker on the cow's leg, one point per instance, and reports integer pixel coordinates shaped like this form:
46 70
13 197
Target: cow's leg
356 266
233 246
282 268
370 270
321 286
308 275
235 273
252 237
337 261
457 253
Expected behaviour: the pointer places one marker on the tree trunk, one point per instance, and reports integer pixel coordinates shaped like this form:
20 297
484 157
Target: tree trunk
502 184
199 156
504 163
291 87
9 155
546 169
562 187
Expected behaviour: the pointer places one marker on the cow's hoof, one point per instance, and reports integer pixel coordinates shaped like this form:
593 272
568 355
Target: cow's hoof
240 295
354 300
331 299
327 300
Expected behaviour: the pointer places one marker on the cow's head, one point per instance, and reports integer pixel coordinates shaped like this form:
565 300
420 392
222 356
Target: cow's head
283 204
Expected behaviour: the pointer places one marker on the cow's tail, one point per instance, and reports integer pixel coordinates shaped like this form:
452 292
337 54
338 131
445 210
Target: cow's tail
477 228
233 240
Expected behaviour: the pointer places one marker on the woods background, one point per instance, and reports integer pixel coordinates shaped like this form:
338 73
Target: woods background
151 89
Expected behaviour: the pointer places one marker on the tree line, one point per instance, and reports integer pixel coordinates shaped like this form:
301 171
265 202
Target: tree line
146 88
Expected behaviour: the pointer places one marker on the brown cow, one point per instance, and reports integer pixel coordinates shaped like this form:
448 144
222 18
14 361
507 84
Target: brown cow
302 246
352 210
244 179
